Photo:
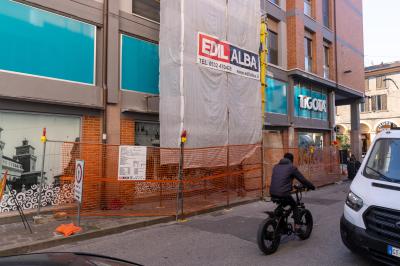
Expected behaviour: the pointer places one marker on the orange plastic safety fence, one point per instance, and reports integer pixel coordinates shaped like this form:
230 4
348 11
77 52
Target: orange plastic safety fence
321 166
215 176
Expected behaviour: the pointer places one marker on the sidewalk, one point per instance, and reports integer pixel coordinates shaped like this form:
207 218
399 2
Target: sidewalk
15 239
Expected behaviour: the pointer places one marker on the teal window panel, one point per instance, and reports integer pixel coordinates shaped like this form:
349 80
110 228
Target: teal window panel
276 97
139 65
314 114
298 90
41 43
304 113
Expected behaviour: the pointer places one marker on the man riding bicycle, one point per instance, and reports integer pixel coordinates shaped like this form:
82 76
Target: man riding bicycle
283 174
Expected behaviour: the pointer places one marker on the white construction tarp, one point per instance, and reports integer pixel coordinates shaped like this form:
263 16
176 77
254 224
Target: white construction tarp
209 75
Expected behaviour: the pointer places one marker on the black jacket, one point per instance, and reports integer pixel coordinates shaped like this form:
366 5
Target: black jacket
282 177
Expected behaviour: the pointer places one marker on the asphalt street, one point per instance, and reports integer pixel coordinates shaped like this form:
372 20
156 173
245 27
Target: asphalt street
228 237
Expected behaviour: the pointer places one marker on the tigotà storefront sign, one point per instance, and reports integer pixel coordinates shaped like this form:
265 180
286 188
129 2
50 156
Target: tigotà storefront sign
312 104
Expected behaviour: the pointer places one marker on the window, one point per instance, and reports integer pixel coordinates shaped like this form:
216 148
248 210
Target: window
326 61
308 8
383 163
272 47
362 107
307 139
40 43
139 65
147 134
276 94
276 2
325 13
308 54
379 102
380 83
147 8
367 84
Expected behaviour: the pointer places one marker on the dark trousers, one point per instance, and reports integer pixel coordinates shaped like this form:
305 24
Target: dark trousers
289 201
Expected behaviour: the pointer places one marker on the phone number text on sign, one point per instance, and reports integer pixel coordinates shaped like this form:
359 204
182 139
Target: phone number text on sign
132 163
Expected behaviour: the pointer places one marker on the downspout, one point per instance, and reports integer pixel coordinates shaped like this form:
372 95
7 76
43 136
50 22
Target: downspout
104 69
336 68
336 52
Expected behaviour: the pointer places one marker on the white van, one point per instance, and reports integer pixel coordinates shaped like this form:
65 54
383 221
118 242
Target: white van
371 219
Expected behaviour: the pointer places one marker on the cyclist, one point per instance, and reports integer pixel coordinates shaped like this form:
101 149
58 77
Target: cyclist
283 175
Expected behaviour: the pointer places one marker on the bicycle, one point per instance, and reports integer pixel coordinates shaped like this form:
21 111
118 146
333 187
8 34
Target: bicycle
276 225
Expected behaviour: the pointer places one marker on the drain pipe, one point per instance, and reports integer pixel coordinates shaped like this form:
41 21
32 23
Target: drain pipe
104 69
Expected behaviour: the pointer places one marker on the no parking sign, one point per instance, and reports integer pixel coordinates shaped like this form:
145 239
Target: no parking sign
79 173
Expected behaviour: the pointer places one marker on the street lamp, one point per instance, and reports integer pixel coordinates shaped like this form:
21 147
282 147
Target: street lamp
394 82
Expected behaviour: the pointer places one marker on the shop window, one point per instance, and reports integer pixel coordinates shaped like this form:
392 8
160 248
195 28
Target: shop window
147 8
310 103
147 134
21 150
139 66
40 43
276 96
308 139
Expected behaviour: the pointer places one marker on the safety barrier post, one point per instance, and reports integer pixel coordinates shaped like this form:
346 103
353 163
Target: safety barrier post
228 176
44 140
179 196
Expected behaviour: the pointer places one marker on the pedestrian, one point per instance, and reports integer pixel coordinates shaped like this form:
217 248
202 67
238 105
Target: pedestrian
352 167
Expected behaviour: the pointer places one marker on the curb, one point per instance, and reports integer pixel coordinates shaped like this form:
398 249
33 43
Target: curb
44 244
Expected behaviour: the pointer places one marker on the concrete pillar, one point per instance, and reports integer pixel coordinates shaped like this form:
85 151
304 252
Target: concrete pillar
292 138
332 114
113 110
355 137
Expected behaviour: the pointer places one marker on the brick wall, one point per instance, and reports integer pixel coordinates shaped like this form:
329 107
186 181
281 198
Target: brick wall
350 40
91 129
127 131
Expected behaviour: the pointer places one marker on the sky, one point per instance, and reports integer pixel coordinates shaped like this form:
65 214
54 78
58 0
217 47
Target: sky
381 31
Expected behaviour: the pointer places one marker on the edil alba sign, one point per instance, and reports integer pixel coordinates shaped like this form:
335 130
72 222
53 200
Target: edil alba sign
312 104
221 55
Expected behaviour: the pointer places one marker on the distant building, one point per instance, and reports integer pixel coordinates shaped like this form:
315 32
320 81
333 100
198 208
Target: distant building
381 105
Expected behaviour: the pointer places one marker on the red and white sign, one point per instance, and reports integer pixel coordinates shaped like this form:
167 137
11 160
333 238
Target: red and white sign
79 173
221 55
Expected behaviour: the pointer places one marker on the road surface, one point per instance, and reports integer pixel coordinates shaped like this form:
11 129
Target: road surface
229 238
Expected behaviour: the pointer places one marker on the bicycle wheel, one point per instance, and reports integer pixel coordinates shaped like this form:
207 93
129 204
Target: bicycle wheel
268 237
306 225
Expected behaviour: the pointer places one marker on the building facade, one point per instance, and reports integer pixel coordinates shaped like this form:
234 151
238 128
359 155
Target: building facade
380 107
315 64
88 70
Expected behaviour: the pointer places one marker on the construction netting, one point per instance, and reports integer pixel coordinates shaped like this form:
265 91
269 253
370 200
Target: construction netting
209 72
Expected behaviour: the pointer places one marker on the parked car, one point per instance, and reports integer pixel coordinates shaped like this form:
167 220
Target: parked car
371 219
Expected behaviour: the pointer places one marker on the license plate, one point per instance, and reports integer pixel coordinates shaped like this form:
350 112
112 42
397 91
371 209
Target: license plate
393 251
